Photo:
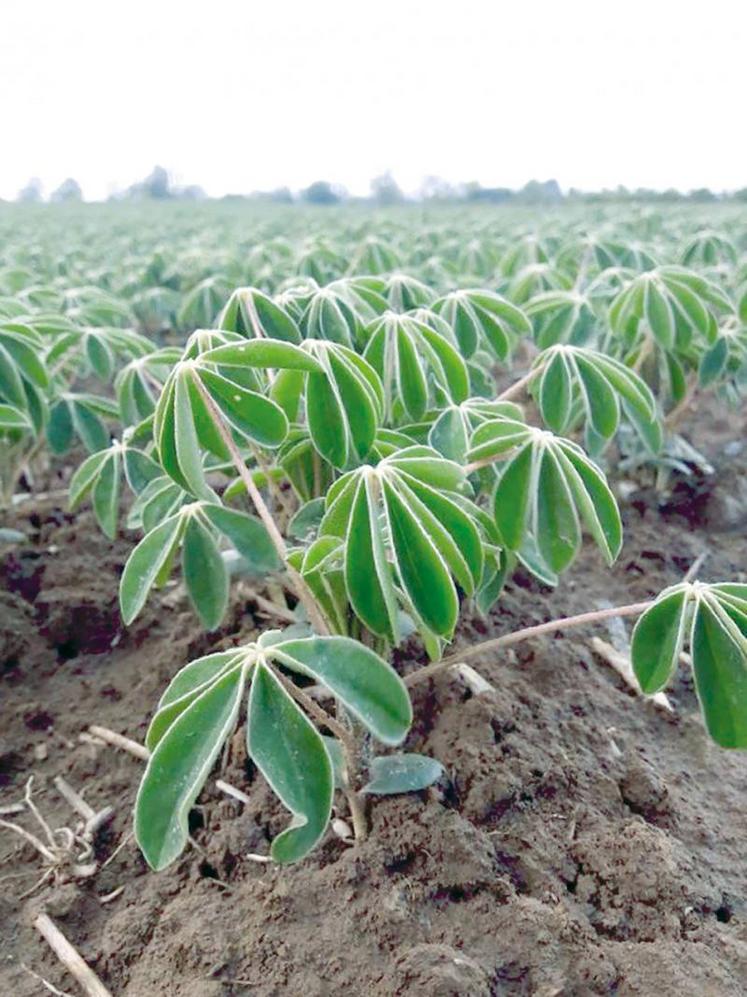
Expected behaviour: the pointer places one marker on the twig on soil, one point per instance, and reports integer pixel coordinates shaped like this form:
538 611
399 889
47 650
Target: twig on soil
229 790
70 957
75 800
108 897
118 849
476 684
120 741
11 809
62 843
45 983
621 664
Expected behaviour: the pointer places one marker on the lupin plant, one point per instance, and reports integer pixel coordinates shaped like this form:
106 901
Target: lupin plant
345 426
405 498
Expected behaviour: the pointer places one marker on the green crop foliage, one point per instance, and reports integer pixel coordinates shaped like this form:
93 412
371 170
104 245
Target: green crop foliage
375 421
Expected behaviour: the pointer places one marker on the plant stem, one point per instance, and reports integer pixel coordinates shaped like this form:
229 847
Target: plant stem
272 484
673 419
301 589
564 623
487 461
518 386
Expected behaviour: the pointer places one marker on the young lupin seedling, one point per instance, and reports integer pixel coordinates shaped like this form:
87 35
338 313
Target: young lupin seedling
390 544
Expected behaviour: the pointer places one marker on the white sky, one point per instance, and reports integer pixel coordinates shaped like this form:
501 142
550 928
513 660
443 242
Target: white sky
243 95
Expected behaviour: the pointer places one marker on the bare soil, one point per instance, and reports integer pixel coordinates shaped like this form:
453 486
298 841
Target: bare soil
585 842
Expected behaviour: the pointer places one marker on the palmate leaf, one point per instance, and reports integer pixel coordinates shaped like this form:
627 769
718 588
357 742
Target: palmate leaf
197 527
253 314
21 366
82 416
343 394
601 384
547 489
100 475
200 709
675 304
716 618
201 304
480 317
561 317
192 400
404 532
344 404
329 315
137 385
416 364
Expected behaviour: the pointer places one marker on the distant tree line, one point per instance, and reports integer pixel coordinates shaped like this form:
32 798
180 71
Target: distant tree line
385 191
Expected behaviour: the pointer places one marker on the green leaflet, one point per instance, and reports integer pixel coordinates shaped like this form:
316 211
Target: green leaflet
290 754
449 434
11 385
594 501
85 476
13 419
179 766
659 315
139 468
370 688
512 496
262 353
306 521
497 437
204 572
106 492
327 425
600 400
421 570
719 654
402 773
60 427
713 362
247 534
252 415
555 392
556 527
184 688
88 426
357 400
657 641
187 446
367 574
144 564
410 377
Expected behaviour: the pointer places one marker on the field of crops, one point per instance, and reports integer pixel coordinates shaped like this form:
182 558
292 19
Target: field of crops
373 598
